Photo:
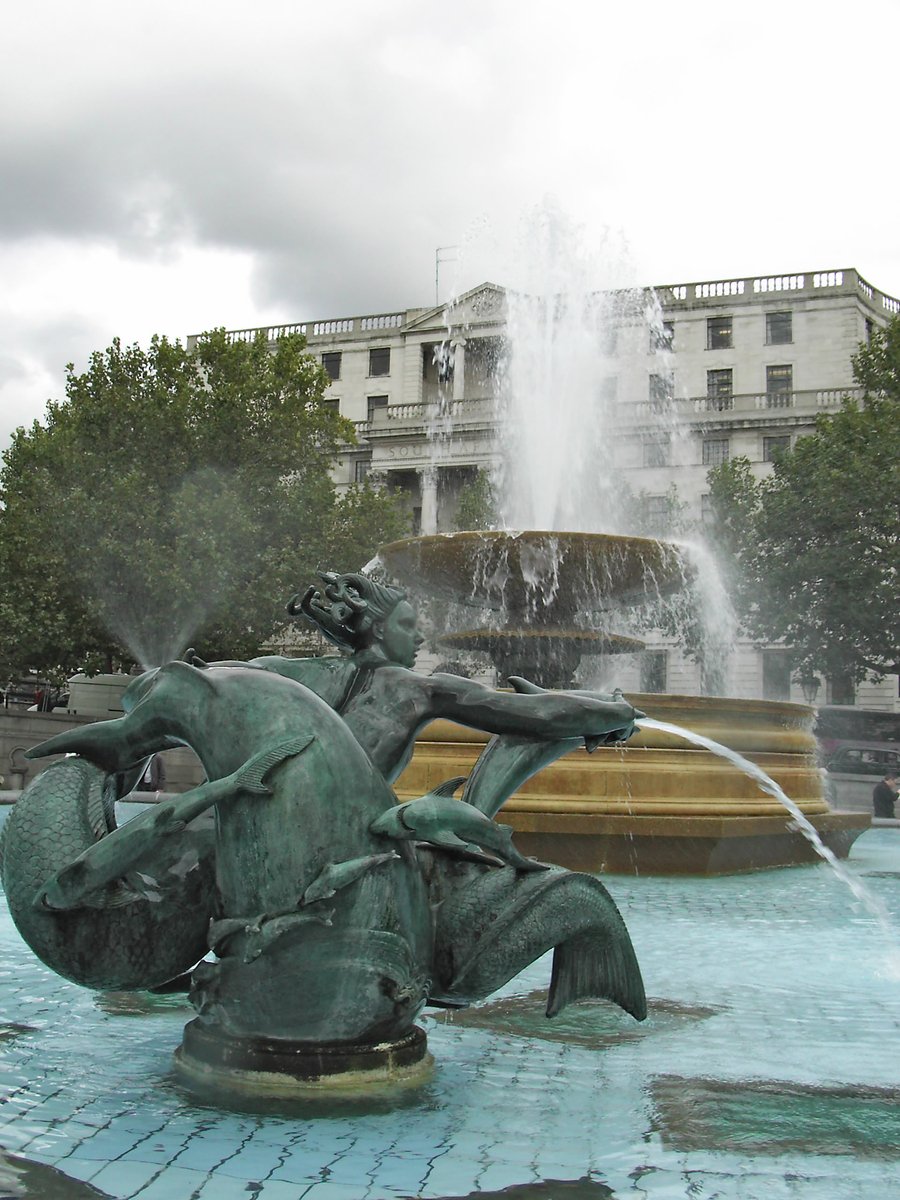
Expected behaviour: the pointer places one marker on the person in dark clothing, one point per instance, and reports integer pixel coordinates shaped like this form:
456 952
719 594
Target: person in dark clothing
884 796
154 777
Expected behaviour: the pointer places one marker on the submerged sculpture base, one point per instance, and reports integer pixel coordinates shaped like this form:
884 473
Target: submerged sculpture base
260 1067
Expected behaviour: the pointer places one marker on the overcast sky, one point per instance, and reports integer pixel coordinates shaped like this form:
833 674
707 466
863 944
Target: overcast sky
168 167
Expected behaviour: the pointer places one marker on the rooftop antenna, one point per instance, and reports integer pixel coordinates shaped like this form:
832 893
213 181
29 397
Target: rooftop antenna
438 259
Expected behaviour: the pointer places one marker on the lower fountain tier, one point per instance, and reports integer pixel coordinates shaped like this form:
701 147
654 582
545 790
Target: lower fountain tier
661 806
545 655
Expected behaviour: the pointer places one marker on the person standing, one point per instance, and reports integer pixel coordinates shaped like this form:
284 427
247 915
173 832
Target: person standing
154 777
884 796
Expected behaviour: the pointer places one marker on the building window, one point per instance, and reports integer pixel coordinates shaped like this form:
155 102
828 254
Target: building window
662 389
776 672
719 390
331 361
870 329
840 690
361 469
380 361
662 337
332 405
654 664
657 510
707 511
779 328
715 451
484 357
718 333
773 445
656 451
375 405
779 386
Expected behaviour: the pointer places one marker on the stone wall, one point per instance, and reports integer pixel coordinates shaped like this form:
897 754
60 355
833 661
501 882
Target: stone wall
21 729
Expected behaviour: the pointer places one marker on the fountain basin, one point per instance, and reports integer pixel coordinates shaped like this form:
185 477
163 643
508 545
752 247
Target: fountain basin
534 571
661 806
761 1071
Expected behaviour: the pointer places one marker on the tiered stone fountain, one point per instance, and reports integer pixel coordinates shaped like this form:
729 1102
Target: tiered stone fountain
661 806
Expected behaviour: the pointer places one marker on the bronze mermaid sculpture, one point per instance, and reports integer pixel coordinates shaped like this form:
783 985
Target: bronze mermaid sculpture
330 916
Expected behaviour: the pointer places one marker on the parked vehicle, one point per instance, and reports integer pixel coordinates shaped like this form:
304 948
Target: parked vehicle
841 727
857 747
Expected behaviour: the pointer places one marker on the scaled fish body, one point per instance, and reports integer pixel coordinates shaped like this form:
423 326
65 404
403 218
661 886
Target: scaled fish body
117 939
454 825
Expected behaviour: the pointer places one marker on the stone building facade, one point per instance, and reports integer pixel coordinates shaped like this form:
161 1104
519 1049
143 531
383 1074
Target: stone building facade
726 368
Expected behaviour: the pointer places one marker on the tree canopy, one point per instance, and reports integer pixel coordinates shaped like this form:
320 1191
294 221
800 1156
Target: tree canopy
814 548
175 496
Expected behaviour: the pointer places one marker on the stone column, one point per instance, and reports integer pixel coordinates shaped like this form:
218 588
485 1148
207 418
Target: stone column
458 345
428 481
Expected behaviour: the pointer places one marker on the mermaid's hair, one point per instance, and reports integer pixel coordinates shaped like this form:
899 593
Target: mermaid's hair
347 608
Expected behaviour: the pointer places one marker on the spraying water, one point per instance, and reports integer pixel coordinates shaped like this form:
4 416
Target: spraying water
771 788
569 324
587 355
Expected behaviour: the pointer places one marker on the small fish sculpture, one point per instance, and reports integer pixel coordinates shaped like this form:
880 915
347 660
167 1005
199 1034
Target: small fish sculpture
261 930
338 875
453 825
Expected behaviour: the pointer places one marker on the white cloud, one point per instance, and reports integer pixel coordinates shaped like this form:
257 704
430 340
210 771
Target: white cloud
169 167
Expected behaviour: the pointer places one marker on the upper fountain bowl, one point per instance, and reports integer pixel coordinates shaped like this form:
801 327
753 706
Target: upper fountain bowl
528 571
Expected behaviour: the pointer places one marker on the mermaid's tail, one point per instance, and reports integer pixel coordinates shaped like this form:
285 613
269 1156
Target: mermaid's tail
139 934
491 923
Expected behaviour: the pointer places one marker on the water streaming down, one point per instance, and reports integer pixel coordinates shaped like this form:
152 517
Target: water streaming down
802 822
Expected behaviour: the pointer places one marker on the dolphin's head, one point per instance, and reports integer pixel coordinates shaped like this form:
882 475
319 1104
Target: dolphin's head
621 711
389 824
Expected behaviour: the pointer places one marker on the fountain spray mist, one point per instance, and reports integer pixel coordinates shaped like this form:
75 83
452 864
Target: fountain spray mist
570 314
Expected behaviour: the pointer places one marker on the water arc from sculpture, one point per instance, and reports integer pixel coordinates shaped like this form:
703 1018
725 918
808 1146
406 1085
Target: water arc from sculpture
806 827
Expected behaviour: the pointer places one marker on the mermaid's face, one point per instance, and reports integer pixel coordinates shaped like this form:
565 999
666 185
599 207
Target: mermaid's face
400 637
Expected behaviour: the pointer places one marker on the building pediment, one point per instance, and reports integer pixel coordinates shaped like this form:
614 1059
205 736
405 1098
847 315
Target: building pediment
482 305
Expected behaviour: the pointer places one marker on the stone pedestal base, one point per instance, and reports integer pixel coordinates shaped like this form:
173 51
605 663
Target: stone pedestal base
258 1066
689 845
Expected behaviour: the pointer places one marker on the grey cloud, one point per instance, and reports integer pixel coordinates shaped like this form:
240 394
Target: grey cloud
344 174
36 365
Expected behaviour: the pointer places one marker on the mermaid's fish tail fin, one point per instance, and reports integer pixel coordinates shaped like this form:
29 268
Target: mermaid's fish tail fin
499 920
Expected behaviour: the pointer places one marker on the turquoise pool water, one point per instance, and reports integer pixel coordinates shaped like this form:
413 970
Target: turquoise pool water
769 1068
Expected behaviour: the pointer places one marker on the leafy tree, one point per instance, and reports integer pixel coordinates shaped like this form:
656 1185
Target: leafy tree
815 547
174 496
477 508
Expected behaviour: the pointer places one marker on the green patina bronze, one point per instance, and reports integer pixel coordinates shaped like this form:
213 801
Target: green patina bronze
326 915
